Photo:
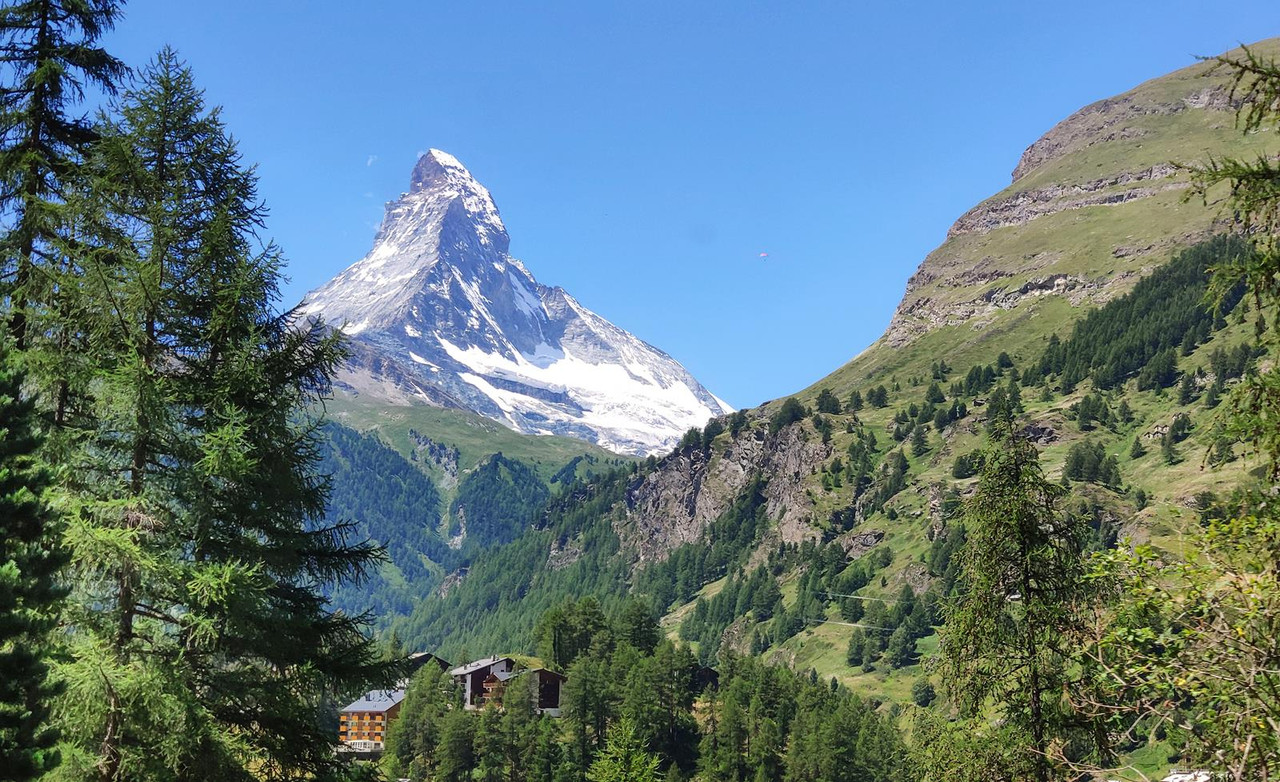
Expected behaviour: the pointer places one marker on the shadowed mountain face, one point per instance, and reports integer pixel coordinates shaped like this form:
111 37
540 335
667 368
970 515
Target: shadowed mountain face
440 314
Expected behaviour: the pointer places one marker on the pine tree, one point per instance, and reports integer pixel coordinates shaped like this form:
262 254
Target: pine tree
1008 634
828 402
919 441
214 651
51 56
855 401
30 556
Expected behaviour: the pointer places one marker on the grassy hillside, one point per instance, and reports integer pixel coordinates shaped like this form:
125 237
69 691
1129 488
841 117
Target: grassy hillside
1093 210
1098 203
474 436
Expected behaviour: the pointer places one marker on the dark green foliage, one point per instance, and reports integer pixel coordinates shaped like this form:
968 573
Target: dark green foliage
637 625
51 57
1092 409
690 441
1088 461
1225 364
391 501
199 551
1223 451
707 623
922 693
1211 395
878 396
790 412
498 500
1160 372
966 465
855 401
569 631
30 556
493 607
761 722
713 429
919 441
1140 332
1008 635
828 402
1137 450
889 479
979 380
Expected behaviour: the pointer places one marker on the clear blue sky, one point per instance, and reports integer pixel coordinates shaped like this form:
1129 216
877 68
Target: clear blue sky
643 154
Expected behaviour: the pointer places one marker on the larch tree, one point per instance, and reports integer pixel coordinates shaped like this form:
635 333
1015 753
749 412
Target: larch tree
201 642
1008 633
50 56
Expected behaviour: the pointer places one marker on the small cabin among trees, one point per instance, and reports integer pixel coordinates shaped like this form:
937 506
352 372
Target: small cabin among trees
485 681
482 679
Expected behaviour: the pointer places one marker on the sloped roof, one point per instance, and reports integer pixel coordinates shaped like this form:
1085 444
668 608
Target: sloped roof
376 700
463 670
419 659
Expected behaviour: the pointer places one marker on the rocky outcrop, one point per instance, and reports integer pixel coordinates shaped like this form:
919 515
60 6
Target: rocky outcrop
675 504
859 543
1024 206
442 455
1113 120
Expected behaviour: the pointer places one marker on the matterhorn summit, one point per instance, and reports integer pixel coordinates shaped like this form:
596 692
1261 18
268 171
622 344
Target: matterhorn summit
438 313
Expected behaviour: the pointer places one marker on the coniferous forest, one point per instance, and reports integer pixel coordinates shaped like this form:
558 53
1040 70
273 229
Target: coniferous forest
185 595
161 604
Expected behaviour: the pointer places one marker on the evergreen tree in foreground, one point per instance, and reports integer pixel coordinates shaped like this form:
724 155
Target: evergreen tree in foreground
29 593
200 643
50 55
1008 635
624 757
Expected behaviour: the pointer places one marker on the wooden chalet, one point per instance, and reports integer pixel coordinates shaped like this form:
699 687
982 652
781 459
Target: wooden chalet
474 676
549 685
485 681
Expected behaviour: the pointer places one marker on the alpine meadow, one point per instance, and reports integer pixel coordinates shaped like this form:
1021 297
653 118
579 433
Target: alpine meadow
436 520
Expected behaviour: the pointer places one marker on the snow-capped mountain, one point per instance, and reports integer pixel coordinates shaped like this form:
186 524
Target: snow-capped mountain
439 313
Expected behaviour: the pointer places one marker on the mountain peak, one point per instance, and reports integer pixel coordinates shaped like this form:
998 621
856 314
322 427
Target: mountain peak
435 168
440 313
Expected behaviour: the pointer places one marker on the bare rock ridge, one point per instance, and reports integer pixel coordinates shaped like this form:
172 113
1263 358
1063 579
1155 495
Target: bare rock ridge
439 313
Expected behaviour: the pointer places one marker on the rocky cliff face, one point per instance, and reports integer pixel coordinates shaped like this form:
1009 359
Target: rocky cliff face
439 313
675 504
